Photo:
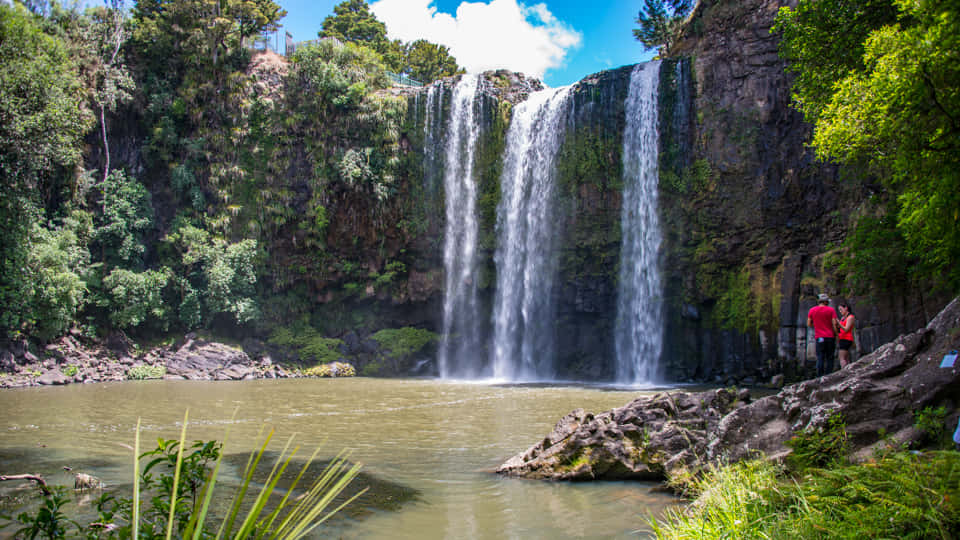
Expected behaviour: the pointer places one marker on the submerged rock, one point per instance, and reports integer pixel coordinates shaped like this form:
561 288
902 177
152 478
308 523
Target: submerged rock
672 434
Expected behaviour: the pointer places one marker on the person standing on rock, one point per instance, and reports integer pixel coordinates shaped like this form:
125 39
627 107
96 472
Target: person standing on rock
823 319
845 334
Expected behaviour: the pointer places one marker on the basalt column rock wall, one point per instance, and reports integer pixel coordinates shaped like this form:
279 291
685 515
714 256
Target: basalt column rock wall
750 216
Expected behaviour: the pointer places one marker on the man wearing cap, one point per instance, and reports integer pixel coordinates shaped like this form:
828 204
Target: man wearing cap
823 319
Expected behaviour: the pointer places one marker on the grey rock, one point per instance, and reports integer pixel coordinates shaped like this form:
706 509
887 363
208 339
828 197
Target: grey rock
238 372
8 362
52 377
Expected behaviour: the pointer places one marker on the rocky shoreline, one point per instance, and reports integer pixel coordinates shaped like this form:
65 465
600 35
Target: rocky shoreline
673 435
69 360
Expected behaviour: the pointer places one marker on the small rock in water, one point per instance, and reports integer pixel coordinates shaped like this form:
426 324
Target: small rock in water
83 481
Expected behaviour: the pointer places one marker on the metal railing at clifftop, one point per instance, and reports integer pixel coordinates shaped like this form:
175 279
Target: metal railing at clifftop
402 80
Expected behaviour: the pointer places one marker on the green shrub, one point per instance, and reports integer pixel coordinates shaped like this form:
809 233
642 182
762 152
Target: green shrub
135 297
819 447
403 342
901 496
143 372
70 370
307 342
57 259
933 423
372 369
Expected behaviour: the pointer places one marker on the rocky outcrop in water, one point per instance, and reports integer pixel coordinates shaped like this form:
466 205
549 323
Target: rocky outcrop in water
644 440
670 434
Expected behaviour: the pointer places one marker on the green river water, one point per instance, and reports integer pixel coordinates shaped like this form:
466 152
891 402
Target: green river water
434 442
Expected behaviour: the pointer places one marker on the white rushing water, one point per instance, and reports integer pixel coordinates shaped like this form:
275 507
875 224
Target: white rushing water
432 137
524 311
639 327
460 343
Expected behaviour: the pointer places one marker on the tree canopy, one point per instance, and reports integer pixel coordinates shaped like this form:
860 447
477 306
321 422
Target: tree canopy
428 62
352 21
888 104
660 23
42 123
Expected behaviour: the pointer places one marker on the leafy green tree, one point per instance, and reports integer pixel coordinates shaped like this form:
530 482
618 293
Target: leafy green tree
894 116
660 23
134 298
427 62
42 124
352 21
125 216
57 261
215 276
191 59
823 42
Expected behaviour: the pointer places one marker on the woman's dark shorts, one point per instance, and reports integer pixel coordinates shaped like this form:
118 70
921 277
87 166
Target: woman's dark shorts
844 344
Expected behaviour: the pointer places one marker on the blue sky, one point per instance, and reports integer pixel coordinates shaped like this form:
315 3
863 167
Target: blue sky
561 41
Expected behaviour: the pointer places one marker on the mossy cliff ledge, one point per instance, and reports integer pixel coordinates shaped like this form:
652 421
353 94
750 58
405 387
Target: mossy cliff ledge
675 435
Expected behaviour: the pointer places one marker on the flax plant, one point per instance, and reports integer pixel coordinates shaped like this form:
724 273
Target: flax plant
295 516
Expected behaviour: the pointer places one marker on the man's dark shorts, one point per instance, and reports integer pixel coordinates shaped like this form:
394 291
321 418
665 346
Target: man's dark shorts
825 350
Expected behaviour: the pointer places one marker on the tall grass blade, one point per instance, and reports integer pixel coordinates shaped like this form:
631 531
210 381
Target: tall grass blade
268 521
135 517
227 527
332 492
176 475
194 529
279 466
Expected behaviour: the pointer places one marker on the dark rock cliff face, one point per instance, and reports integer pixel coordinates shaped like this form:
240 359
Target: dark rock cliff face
751 216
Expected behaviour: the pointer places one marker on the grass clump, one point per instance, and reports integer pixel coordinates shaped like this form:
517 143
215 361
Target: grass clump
903 495
70 370
143 372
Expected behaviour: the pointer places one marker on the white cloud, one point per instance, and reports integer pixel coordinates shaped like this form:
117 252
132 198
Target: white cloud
482 36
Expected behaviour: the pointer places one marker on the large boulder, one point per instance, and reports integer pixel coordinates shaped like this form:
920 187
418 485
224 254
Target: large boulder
643 440
201 359
670 434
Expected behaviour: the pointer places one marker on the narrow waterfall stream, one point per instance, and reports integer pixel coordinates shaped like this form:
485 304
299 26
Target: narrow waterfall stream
460 343
432 137
639 326
526 259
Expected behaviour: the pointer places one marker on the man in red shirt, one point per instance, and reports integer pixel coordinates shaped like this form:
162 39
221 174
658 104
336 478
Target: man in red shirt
823 319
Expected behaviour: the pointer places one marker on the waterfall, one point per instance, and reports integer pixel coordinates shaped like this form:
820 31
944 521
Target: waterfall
460 344
432 137
639 327
524 310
